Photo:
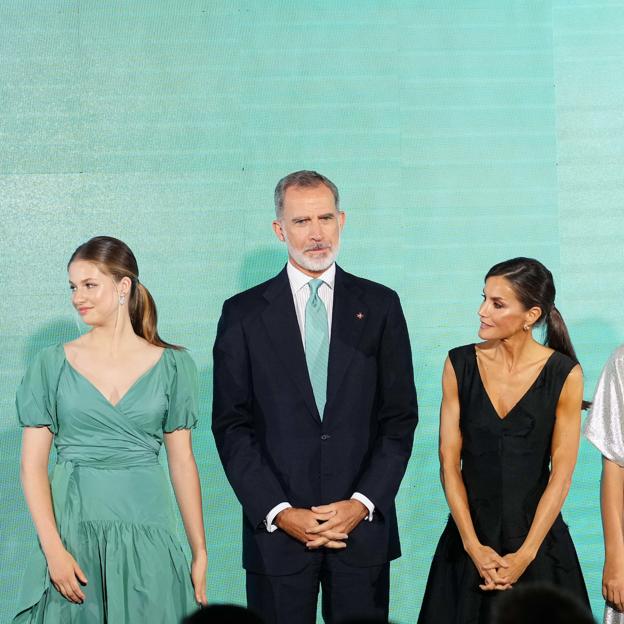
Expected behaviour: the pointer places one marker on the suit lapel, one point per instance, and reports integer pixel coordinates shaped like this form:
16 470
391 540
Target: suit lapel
348 320
280 320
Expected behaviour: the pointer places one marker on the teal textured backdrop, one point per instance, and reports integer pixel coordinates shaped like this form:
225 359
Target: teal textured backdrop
459 133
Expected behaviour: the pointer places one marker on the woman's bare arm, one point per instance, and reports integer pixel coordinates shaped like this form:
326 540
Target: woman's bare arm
564 450
612 505
65 573
486 560
186 485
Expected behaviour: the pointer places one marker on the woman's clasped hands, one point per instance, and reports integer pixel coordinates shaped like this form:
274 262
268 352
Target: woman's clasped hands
498 572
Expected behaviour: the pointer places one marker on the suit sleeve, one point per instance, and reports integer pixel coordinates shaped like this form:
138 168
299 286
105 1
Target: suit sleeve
245 465
397 413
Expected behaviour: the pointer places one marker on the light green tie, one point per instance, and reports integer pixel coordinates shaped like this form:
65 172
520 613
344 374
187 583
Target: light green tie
317 344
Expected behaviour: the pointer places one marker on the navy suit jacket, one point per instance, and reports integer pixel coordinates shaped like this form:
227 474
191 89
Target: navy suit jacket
272 442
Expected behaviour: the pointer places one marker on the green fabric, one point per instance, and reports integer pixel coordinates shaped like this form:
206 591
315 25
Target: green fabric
111 496
317 344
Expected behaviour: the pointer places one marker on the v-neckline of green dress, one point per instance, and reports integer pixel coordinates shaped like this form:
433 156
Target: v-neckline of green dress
132 387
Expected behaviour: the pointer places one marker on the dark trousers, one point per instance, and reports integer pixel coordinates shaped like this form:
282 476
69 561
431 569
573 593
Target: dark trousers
348 593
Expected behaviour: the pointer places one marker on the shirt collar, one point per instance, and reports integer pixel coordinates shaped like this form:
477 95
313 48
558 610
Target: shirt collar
298 279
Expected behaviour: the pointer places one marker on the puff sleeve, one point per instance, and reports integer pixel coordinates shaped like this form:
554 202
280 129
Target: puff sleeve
183 393
36 396
604 427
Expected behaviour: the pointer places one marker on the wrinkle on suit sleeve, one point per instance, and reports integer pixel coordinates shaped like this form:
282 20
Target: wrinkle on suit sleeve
247 470
397 413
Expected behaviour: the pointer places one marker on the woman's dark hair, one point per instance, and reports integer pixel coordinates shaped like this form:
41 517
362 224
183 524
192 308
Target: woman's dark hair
116 259
534 286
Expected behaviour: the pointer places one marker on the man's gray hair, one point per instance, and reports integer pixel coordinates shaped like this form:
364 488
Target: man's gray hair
304 179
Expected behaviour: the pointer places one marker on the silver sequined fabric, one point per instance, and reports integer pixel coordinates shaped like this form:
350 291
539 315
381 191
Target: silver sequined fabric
604 428
611 616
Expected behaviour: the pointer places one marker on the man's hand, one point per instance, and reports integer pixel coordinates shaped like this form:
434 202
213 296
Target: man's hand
345 516
297 523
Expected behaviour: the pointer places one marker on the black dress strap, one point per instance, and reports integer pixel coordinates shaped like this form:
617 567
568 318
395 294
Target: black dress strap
463 361
559 368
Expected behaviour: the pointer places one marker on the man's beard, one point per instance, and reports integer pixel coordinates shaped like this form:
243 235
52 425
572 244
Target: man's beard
314 264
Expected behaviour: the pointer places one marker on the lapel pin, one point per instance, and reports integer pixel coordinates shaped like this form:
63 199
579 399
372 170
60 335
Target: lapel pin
359 316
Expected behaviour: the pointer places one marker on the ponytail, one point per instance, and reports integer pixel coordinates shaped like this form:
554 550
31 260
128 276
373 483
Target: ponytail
558 338
116 259
144 317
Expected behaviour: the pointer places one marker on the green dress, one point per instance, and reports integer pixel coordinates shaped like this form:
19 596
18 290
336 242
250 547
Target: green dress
111 497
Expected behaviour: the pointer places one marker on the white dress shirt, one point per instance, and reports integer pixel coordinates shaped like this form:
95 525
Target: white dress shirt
301 293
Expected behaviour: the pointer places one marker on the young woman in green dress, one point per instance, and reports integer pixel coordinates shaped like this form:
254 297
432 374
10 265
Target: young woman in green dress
108 550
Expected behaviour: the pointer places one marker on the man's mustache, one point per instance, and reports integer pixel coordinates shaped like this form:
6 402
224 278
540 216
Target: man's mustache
318 247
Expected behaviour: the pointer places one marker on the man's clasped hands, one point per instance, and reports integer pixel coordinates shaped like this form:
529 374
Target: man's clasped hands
323 526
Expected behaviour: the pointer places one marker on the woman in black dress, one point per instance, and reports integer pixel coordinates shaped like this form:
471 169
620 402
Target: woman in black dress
509 436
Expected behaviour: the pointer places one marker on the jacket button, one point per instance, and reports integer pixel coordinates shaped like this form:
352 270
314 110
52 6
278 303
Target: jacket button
325 437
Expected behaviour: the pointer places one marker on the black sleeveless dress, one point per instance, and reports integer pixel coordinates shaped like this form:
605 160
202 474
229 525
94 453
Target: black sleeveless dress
505 467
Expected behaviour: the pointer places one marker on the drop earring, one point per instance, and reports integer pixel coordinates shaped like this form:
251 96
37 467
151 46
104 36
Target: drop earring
122 299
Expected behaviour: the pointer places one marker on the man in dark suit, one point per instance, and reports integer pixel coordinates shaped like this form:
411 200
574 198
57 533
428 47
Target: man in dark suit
314 412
